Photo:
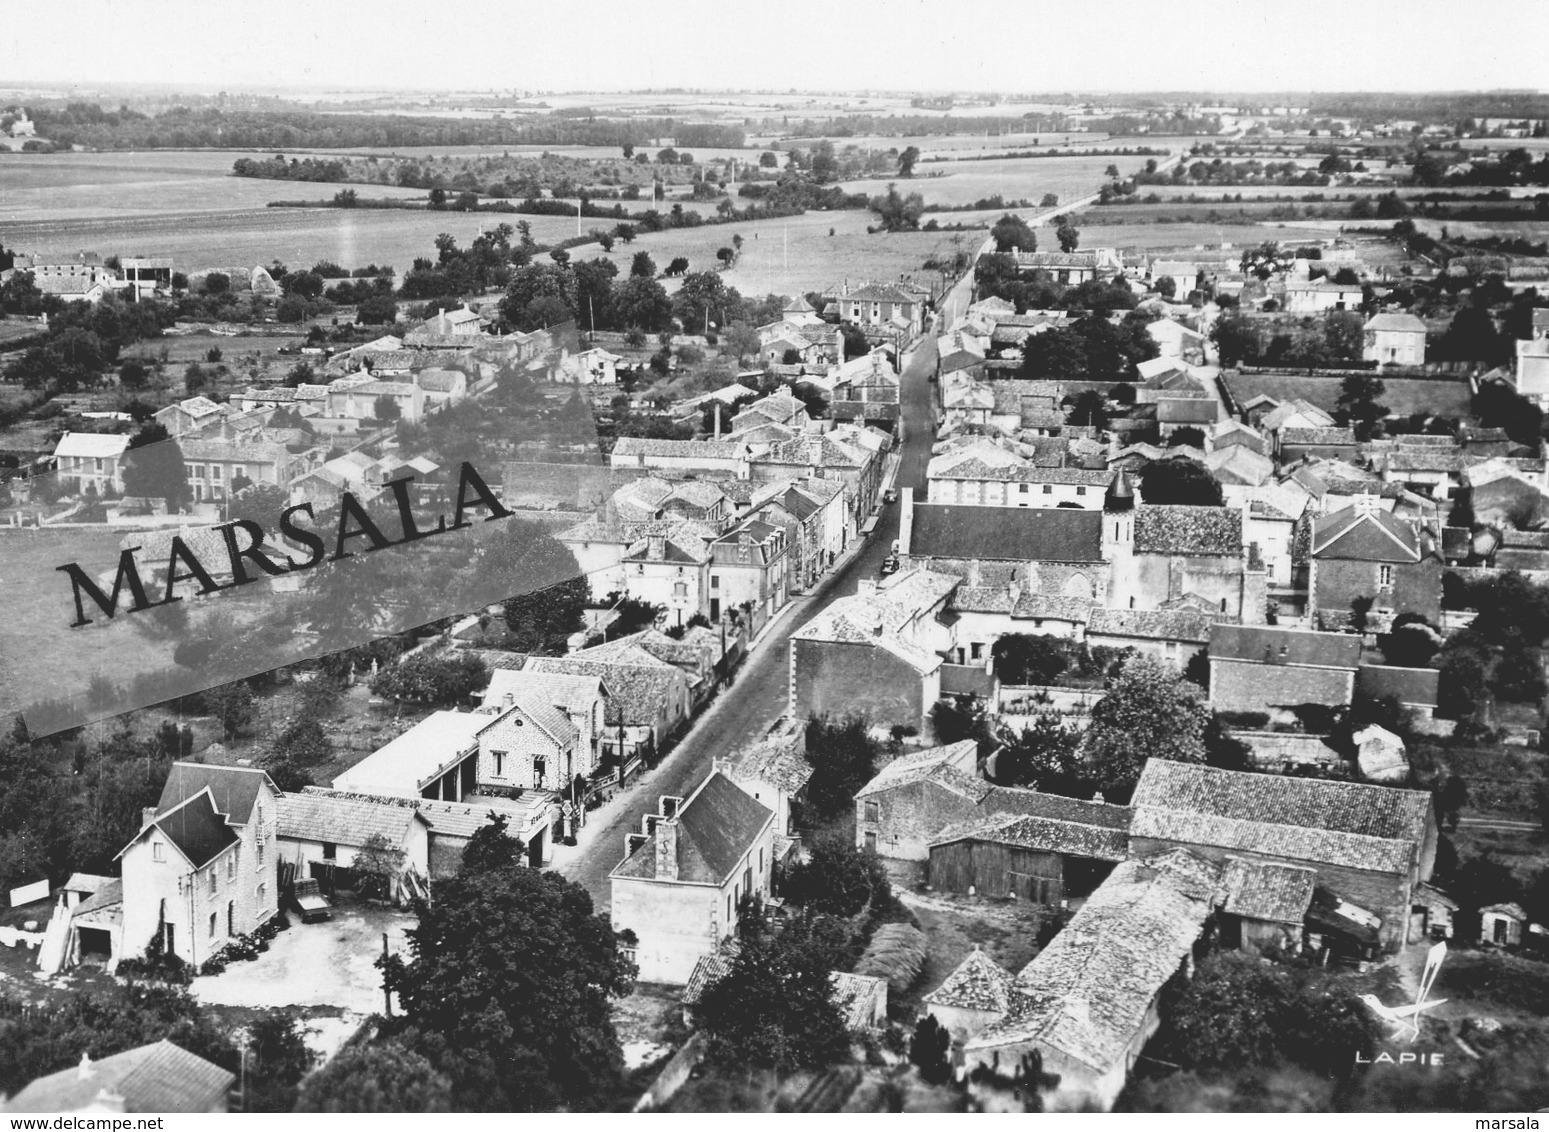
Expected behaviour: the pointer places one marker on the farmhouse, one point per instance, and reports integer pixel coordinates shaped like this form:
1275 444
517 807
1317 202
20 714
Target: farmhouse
1395 339
90 460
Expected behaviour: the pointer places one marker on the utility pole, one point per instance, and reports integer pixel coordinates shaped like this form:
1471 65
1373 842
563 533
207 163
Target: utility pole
387 995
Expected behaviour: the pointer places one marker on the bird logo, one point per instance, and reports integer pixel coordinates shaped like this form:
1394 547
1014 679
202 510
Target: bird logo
1407 1017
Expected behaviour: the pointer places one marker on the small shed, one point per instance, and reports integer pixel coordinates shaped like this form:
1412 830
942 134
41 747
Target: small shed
977 993
861 999
1431 912
1502 924
1381 756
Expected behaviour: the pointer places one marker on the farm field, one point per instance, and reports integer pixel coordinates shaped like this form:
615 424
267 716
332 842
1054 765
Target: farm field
1195 235
1402 396
796 254
61 187
1070 178
202 241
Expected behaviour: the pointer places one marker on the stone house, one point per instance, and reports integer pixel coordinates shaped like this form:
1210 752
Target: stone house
203 868
678 887
1369 845
749 567
213 463
825 457
1396 339
882 647
1363 551
90 460
649 698
1161 554
1264 668
775 771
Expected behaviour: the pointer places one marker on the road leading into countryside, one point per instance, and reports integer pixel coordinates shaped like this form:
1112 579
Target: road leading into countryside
757 698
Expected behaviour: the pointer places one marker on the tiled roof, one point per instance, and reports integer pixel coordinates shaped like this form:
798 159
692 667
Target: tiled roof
696 449
160 1077
1152 624
640 691
977 983
941 765
813 451
716 827
1271 644
1088 994
855 996
1023 534
342 820
1187 410
234 788
1051 607
1318 436
1369 535
1177 529
780 760
709 970
1064 825
574 694
1265 890
1373 828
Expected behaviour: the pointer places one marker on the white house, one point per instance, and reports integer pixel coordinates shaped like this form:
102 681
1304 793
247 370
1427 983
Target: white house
1395 340
90 459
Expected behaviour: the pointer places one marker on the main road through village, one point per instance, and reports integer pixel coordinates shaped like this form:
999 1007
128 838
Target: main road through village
757 697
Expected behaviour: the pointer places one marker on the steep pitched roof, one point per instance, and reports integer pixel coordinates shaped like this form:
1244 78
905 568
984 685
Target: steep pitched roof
977 983
234 788
197 829
1177 529
1021 534
1374 828
1367 534
639 685
717 826
160 1077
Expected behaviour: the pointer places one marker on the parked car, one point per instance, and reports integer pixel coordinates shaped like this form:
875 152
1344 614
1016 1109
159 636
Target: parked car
889 565
890 496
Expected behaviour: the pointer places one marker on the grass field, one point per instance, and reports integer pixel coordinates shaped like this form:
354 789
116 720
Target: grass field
1402 396
962 182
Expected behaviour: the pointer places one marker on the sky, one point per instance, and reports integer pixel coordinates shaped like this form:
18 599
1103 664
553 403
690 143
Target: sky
965 45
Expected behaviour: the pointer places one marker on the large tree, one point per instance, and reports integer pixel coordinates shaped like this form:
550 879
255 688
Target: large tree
1150 711
1012 233
844 758
640 301
381 1077
1179 480
508 991
153 467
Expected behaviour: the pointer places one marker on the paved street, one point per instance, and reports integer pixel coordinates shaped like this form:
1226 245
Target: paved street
758 696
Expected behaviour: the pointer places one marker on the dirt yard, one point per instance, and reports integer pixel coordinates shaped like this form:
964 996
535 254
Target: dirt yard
326 964
954 925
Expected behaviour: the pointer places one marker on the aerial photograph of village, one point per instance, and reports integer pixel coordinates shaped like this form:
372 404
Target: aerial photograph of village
853 559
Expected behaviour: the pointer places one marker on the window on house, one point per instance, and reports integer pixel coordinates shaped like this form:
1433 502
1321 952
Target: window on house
212 925
680 589
873 811
231 867
158 853
976 651
1048 489
239 471
215 473
330 851
1022 487
263 890
728 911
715 581
214 880
760 862
1384 575
1080 491
500 763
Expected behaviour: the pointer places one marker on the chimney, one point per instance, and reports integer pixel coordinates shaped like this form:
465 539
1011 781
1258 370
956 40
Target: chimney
509 699
656 547
667 850
717 420
1016 591
670 804
147 815
632 842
